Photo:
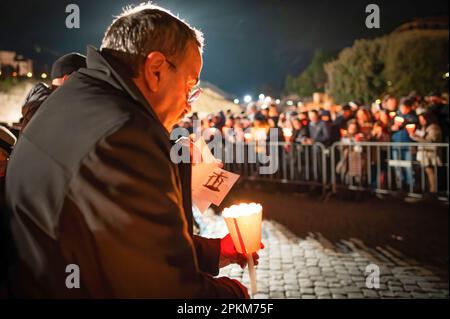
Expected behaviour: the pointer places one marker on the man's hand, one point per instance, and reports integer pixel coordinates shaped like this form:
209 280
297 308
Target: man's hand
229 254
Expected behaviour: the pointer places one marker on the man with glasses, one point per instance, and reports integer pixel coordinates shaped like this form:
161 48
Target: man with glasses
100 212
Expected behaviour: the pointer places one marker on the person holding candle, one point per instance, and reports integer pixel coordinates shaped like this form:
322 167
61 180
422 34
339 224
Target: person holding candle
428 156
399 133
318 130
102 194
340 123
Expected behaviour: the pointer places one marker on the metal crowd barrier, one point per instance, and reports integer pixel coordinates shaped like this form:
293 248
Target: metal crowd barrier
384 168
297 163
413 169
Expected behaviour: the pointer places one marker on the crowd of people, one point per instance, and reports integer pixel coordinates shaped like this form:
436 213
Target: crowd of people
409 119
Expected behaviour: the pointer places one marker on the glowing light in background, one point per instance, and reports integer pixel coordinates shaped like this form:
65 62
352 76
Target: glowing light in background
247 98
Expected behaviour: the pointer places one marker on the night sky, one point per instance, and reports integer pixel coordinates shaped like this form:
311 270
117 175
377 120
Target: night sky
250 45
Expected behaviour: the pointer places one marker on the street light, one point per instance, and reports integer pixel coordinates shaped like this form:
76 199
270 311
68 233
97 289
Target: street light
261 97
247 99
44 75
29 75
236 101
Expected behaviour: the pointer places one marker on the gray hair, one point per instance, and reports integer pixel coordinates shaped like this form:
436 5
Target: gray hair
146 28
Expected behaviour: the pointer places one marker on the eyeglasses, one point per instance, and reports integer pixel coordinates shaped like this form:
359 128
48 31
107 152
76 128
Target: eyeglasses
194 93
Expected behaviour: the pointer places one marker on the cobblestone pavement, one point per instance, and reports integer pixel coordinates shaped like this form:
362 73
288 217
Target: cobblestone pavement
312 267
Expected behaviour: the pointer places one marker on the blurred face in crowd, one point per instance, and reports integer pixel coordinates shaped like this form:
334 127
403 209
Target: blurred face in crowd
404 109
313 117
384 117
166 83
435 99
303 117
377 130
391 104
273 111
376 115
229 122
346 114
362 116
422 121
296 124
352 129
325 118
216 119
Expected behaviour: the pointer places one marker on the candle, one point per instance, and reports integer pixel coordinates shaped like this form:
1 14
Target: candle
287 132
399 120
244 224
261 134
392 114
411 128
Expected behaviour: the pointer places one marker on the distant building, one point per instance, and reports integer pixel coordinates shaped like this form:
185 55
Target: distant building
11 62
437 23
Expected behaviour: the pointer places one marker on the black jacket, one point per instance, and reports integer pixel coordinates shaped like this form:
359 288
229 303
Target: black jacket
90 182
37 95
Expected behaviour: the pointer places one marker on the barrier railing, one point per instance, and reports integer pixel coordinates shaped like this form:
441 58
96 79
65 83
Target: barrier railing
295 163
410 169
415 169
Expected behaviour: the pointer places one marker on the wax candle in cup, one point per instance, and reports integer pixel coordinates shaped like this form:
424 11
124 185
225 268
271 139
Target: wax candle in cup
411 128
399 120
244 224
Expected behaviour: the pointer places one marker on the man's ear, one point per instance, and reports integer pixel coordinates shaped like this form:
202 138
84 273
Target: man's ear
153 67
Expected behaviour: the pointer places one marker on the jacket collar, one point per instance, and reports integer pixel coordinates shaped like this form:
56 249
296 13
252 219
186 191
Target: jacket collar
113 72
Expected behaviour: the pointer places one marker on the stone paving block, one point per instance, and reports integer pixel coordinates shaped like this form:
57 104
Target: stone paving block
321 284
355 295
307 291
370 293
402 294
276 295
339 296
338 291
352 289
305 283
419 295
320 291
411 288
293 294
292 267
291 287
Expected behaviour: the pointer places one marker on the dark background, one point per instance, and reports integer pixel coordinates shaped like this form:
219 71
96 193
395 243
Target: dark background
250 45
